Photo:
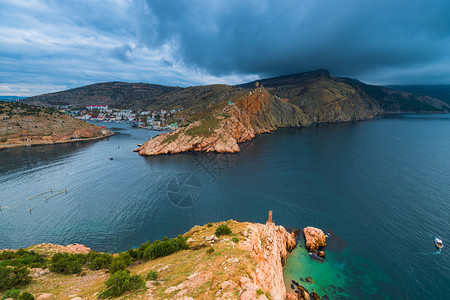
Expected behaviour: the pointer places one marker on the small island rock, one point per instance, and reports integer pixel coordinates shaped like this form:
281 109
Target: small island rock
314 238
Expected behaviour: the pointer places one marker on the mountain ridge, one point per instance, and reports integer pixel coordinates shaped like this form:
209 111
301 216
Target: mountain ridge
314 87
115 93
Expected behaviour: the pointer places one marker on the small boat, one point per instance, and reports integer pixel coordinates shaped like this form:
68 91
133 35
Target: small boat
438 243
111 158
139 145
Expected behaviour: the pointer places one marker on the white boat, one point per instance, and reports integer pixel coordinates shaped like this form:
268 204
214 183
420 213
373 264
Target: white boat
111 158
438 243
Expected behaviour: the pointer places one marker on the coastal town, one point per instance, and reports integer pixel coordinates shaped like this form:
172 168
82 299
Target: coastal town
161 119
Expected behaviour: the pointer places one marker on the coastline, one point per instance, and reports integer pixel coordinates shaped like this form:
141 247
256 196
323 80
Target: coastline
31 144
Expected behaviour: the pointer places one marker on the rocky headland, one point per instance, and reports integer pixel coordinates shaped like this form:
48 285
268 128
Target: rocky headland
28 125
221 128
289 101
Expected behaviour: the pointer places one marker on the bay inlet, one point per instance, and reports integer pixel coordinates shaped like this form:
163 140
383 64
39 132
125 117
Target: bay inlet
380 188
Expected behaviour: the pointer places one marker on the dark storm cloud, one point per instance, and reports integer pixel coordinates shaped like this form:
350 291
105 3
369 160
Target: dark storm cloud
48 45
353 38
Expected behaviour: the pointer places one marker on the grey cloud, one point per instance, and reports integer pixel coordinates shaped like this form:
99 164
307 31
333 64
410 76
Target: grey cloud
59 43
122 53
273 38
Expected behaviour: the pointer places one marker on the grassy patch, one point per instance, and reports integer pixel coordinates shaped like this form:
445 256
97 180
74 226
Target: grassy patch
207 127
171 137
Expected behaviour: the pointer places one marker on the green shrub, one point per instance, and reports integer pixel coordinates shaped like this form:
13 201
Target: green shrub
152 275
120 283
11 277
235 239
259 292
210 250
161 248
222 230
12 293
100 262
26 296
134 255
117 264
22 257
136 282
126 257
67 263
209 224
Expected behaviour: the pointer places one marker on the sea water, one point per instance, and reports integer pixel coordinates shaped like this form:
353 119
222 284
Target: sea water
379 188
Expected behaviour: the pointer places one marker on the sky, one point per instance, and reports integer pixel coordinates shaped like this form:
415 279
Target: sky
50 45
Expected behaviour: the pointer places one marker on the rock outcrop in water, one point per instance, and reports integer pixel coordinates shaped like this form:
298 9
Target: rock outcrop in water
314 238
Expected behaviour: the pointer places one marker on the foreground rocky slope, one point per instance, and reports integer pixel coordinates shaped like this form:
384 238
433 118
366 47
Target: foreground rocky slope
28 125
247 264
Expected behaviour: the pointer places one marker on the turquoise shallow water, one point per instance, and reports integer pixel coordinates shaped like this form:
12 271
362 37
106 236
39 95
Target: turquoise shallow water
381 188
340 275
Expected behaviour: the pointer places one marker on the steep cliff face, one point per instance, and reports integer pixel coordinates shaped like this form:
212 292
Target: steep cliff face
322 97
269 245
227 124
251 268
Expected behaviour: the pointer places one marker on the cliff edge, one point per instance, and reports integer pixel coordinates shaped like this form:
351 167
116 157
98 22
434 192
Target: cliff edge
246 263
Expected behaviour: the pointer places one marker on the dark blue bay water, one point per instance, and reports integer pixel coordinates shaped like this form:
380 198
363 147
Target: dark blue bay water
380 188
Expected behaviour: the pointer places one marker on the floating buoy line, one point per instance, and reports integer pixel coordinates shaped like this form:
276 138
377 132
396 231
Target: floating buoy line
43 197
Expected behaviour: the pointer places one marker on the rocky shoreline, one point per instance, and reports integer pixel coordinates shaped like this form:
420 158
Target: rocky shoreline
46 143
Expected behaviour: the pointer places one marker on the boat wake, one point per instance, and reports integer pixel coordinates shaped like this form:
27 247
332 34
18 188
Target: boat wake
431 253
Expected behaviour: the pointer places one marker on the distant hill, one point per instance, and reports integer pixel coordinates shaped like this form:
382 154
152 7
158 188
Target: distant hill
330 99
140 95
114 94
441 92
196 98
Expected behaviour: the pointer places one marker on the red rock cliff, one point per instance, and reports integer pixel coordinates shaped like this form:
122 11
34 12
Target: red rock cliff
227 125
